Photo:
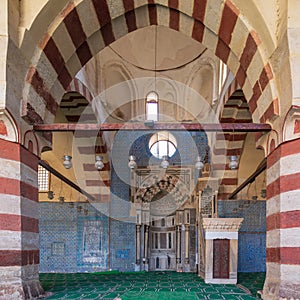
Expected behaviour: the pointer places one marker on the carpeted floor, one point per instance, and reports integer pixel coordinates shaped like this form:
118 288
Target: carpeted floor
146 285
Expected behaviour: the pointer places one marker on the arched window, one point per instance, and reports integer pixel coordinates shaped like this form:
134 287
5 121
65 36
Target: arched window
152 106
162 144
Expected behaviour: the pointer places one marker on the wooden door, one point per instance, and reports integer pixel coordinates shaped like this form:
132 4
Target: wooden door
221 258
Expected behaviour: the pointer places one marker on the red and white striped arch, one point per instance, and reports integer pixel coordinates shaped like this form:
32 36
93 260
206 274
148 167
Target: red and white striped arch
85 27
96 183
77 86
235 110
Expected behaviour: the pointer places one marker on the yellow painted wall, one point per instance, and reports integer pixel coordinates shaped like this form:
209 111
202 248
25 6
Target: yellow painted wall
62 145
249 161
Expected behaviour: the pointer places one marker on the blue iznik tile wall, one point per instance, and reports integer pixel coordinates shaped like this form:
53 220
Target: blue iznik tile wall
252 234
122 245
71 241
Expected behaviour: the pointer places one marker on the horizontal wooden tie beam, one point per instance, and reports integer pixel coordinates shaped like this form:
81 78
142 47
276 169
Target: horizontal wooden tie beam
262 166
212 127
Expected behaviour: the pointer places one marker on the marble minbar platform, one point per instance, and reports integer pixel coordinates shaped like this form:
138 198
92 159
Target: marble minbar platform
221 249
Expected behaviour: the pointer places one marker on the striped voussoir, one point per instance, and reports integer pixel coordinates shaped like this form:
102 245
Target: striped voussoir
96 183
19 232
235 110
77 86
91 25
283 216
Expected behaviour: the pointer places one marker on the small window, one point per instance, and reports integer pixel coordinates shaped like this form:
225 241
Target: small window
163 222
162 144
187 218
152 106
43 179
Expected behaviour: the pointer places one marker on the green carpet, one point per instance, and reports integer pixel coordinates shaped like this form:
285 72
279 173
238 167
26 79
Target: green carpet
146 285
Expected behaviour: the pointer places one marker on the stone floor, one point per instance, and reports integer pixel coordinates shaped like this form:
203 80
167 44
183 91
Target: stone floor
144 286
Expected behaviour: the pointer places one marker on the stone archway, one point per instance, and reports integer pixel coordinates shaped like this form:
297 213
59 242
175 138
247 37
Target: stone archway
53 66
108 22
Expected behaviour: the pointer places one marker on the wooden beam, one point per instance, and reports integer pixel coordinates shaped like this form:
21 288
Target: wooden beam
262 166
66 180
223 127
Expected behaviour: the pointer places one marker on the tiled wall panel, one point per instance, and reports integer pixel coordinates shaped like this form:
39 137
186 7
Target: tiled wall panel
252 234
69 239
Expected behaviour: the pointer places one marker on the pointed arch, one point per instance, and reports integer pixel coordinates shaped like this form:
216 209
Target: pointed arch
230 37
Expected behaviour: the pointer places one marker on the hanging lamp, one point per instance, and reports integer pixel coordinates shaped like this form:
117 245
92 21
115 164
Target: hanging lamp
132 163
233 164
199 165
99 165
67 163
165 163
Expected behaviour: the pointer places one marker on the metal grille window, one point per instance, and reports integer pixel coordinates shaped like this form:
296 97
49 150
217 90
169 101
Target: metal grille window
43 179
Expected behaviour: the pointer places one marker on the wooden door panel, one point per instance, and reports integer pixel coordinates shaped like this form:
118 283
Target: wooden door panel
221 257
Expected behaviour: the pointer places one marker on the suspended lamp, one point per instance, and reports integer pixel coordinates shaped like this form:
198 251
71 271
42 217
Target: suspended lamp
67 161
199 164
50 195
233 164
99 162
164 163
132 163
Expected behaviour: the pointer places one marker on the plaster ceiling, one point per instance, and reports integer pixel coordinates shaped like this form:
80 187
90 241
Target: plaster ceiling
174 49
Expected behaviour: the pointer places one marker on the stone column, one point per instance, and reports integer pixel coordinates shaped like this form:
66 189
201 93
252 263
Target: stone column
178 244
187 238
19 231
283 225
146 246
138 244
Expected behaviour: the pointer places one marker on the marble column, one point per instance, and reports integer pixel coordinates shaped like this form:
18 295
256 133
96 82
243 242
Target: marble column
146 246
178 244
138 244
187 237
